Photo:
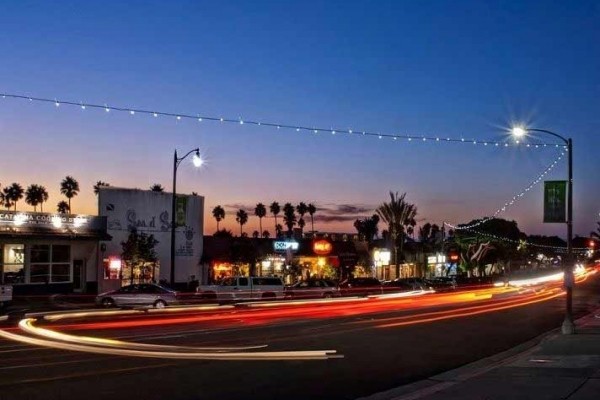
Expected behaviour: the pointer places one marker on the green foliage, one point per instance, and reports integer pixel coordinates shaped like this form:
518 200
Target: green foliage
138 252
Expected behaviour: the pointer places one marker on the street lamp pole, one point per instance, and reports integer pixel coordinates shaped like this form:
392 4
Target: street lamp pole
176 162
568 326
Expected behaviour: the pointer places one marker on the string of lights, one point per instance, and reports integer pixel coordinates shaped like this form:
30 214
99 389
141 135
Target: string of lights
285 126
512 201
517 242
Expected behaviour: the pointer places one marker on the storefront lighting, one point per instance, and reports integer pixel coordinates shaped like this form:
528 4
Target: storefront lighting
79 222
19 219
56 221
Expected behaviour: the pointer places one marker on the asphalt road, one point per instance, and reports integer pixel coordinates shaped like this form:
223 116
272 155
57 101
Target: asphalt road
375 359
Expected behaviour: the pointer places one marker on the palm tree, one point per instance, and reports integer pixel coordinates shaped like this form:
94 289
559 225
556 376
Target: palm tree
275 210
6 198
260 211
289 217
219 213
98 185
266 234
255 234
301 224
43 197
62 207
397 214
311 211
241 218
13 194
157 187
301 208
69 187
34 196
278 230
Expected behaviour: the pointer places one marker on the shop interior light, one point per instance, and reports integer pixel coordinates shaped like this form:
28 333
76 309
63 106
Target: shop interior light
19 219
78 222
56 221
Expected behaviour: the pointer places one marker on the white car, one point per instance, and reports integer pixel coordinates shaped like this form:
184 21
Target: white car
143 294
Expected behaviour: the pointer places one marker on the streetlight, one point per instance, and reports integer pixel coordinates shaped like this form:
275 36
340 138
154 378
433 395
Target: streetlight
197 160
568 327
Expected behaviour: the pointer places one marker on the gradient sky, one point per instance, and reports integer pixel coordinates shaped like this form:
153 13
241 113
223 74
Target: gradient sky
449 68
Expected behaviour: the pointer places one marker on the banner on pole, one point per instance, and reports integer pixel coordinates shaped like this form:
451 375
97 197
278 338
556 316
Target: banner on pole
555 201
180 211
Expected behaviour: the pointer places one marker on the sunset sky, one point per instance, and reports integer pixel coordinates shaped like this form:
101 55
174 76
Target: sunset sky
460 69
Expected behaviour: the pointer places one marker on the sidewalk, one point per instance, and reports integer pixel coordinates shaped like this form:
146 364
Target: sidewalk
558 367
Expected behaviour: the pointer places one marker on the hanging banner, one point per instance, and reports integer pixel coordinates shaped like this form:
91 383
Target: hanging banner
181 211
555 201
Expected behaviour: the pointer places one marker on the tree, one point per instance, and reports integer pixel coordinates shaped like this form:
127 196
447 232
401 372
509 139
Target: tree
157 187
255 234
266 234
241 218
139 254
311 211
62 207
70 188
260 211
278 230
275 210
43 197
367 228
98 185
302 209
12 194
397 214
223 233
6 199
35 195
219 214
289 217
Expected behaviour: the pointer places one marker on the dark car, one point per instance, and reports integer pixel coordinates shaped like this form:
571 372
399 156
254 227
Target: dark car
144 294
311 289
360 287
442 284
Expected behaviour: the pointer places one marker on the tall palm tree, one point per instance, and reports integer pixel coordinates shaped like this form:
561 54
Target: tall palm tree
69 187
43 197
311 211
266 234
157 187
301 225
397 214
260 211
98 185
62 207
34 195
6 198
301 208
13 193
241 218
289 217
219 213
275 210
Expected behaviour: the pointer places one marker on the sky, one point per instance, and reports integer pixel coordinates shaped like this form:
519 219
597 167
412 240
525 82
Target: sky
460 69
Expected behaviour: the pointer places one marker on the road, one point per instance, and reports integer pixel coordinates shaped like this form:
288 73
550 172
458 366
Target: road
384 344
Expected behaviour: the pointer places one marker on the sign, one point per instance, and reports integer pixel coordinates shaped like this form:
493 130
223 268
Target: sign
322 247
555 193
280 246
180 211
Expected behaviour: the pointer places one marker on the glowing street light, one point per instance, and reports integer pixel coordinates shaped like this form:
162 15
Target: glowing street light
197 160
568 327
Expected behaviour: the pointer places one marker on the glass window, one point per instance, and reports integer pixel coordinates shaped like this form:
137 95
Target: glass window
61 272
243 281
12 258
40 253
39 273
61 253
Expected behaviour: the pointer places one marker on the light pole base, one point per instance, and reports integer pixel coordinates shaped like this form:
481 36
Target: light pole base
568 327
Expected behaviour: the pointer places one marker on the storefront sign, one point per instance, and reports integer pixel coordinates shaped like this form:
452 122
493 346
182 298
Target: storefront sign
281 246
27 221
322 247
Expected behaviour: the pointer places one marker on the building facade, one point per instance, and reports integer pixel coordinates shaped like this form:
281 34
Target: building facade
149 212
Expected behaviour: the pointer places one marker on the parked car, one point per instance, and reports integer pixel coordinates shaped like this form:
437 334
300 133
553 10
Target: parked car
243 288
442 284
360 287
312 288
405 285
147 294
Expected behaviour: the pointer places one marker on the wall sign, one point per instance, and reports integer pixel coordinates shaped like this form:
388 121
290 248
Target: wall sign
281 246
322 247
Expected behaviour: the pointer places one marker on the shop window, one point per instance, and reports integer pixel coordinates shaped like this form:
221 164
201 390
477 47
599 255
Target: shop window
61 253
12 263
61 272
39 273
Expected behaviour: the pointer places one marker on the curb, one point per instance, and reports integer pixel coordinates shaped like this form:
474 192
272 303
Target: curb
436 383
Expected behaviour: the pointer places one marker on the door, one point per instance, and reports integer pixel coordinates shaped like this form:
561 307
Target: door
78 276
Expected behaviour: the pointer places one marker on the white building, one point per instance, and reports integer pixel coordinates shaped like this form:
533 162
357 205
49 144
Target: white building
150 213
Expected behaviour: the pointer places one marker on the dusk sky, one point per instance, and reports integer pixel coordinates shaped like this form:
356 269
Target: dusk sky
460 69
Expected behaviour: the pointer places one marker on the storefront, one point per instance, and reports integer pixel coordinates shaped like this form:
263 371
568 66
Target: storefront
49 253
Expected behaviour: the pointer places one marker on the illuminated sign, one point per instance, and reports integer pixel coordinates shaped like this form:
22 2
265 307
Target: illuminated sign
322 247
284 246
20 219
